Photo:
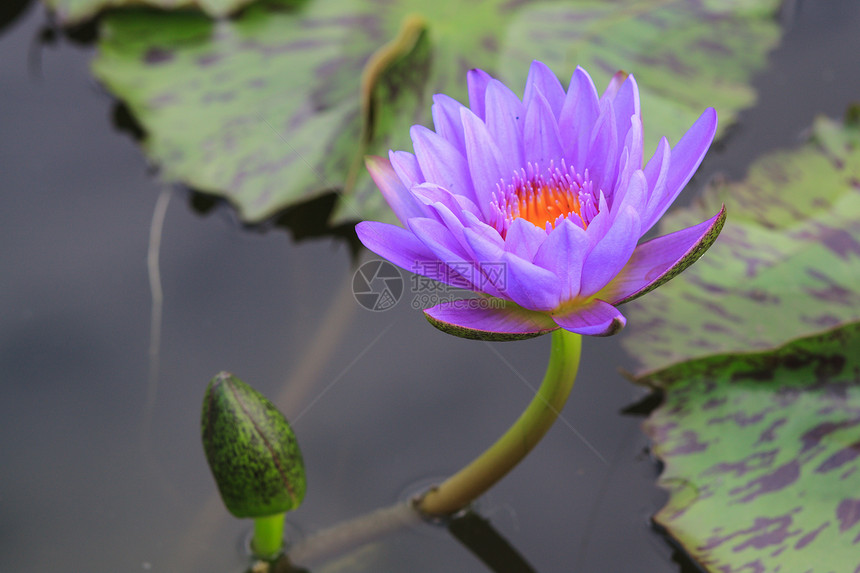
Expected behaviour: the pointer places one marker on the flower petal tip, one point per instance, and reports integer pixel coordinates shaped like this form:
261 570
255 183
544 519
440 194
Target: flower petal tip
373 159
699 239
594 318
614 327
611 328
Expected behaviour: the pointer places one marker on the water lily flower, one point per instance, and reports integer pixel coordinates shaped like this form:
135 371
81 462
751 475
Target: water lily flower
538 204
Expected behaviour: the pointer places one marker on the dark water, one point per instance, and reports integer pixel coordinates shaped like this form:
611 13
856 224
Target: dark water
94 480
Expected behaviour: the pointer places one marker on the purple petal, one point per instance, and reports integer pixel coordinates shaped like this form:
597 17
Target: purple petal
630 161
620 177
441 162
578 116
542 143
488 319
456 224
524 239
446 119
634 195
490 275
685 159
491 272
563 253
525 283
542 80
657 261
614 86
394 243
453 223
505 115
404 205
600 223
594 318
657 172
429 193
440 241
529 285
406 166
487 231
626 104
455 264
477 80
633 142
627 99
602 155
611 253
485 160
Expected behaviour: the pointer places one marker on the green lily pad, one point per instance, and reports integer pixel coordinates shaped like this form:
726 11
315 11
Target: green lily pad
277 106
784 267
72 12
761 457
758 350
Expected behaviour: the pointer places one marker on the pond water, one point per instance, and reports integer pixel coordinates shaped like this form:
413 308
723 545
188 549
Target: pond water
103 470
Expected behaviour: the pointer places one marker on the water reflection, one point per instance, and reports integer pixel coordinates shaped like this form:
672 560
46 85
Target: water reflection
404 402
11 10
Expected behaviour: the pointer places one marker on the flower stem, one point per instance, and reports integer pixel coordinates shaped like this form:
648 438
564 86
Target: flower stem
469 483
268 541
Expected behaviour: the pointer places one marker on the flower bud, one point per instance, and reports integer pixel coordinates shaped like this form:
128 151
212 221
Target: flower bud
251 450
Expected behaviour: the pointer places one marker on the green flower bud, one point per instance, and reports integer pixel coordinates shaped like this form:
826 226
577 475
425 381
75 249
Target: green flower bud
251 450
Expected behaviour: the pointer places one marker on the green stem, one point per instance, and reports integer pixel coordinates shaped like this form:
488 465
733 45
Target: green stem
268 540
469 483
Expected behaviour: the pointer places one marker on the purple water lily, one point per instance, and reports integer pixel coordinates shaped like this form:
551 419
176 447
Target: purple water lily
539 204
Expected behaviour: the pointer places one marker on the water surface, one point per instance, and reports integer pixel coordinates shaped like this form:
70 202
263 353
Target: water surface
95 480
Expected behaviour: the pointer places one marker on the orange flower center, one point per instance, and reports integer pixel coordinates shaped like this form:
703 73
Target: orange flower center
545 204
544 198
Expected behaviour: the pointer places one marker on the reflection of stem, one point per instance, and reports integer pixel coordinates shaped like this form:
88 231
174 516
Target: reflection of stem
353 533
155 229
465 486
307 375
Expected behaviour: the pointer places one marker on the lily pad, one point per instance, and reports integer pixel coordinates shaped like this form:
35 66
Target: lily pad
275 107
762 457
784 267
758 350
72 12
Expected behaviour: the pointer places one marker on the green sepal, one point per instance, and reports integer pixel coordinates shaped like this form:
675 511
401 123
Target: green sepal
251 450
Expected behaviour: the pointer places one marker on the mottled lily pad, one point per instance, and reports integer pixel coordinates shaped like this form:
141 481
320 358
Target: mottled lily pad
72 12
762 457
784 267
274 107
758 350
